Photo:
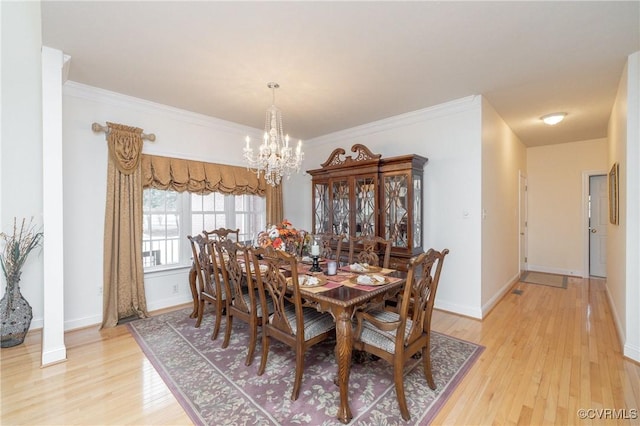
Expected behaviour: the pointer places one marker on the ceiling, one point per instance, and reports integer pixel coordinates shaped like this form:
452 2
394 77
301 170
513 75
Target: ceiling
343 64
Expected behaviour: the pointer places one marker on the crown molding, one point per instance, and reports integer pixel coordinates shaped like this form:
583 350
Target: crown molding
441 110
95 94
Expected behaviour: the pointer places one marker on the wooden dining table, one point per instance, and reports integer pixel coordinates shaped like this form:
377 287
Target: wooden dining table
342 302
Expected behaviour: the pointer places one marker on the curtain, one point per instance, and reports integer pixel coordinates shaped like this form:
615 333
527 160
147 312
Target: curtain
275 208
199 177
123 274
203 178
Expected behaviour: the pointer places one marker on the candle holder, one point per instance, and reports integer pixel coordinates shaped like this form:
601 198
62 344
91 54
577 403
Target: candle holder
315 266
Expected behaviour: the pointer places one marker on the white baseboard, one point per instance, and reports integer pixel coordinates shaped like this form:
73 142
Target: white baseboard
629 350
614 313
82 322
632 352
54 356
179 299
491 303
458 309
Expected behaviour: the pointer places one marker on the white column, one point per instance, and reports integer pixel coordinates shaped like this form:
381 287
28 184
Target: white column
53 348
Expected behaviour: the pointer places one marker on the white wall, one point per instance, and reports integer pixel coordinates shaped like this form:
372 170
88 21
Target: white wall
178 133
555 178
623 248
21 146
632 340
449 136
503 159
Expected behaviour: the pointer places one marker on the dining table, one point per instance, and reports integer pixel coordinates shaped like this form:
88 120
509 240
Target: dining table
342 296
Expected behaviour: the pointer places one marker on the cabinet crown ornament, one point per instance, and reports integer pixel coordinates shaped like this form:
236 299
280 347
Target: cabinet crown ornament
338 157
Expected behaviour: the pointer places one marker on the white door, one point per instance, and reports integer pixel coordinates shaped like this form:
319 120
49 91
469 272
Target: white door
598 213
522 213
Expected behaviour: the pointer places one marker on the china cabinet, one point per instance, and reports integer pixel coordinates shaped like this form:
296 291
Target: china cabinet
367 195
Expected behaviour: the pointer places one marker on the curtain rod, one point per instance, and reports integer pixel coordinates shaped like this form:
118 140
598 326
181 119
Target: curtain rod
97 127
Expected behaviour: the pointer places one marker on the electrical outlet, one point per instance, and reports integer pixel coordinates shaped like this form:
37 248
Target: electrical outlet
99 290
175 289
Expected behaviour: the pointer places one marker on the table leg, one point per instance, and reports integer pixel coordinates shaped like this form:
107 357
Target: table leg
194 291
344 347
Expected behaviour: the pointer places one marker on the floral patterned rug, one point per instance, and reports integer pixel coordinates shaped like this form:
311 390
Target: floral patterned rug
215 387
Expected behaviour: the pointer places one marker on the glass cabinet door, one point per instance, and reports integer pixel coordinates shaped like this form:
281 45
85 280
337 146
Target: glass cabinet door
341 207
417 211
365 208
395 212
321 208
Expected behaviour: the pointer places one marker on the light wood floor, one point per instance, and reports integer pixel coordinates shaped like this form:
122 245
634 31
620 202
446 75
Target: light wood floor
549 352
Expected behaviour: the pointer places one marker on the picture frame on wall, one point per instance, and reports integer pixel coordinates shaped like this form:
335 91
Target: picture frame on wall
613 193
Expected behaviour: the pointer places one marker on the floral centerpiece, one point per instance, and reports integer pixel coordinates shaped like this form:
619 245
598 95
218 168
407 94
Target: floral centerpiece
15 311
284 237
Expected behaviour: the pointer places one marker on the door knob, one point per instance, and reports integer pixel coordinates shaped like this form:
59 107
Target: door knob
593 231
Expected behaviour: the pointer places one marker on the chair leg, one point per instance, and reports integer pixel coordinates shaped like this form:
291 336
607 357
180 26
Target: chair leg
298 379
265 353
402 401
216 327
426 365
200 312
227 331
253 337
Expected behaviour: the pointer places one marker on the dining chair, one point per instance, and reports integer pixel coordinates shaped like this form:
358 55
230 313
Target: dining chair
365 249
239 284
291 323
331 245
222 234
396 336
209 279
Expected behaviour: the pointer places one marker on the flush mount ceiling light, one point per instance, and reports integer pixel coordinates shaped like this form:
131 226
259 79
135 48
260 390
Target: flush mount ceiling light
553 119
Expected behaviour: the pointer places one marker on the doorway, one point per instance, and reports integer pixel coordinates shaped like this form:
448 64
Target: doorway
598 204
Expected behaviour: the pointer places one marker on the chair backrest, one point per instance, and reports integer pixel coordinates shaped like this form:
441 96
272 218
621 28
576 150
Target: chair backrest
206 267
365 249
275 283
235 272
331 245
419 294
222 234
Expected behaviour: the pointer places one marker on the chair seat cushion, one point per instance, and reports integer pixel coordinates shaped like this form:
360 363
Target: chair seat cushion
247 301
223 295
315 323
384 340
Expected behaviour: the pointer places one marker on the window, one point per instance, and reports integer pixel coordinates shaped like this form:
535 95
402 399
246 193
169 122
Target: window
169 216
161 227
213 211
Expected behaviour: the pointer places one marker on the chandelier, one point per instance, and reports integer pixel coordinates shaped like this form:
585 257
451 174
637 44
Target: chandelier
275 158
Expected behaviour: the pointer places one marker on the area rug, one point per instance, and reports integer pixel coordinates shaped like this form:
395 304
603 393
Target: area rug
215 387
541 278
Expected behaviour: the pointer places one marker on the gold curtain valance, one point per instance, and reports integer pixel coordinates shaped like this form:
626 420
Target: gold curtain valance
199 177
125 146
